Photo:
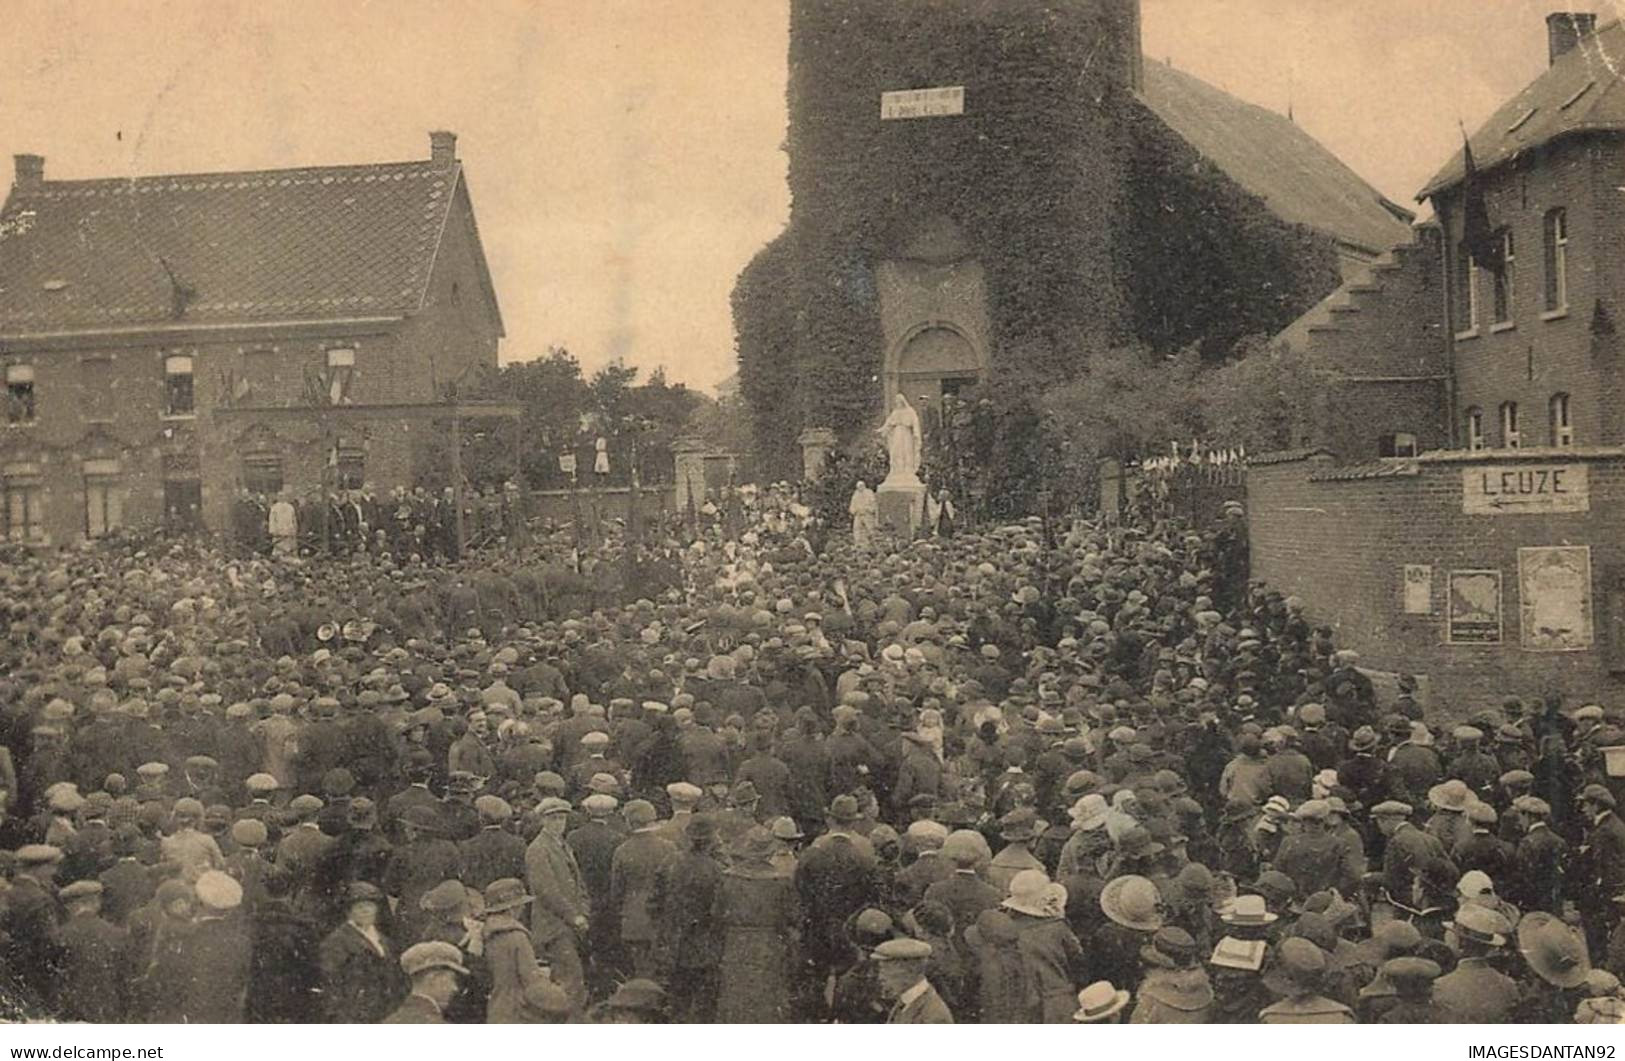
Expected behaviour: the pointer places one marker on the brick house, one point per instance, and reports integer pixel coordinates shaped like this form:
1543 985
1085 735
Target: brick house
167 341
1485 552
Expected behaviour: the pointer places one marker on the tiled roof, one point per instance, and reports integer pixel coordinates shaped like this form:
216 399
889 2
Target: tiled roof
1273 158
314 243
1287 456
1579 93
1388 468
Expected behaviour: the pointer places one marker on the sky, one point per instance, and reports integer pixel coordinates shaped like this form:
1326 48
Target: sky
625 156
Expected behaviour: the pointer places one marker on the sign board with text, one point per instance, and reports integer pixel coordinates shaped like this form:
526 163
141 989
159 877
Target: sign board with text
923 103
1517 489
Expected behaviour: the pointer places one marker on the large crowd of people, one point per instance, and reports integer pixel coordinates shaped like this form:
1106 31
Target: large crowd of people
1000 775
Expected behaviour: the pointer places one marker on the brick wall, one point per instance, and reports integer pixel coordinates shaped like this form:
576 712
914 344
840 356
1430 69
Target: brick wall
103 399
1537 354
1340 537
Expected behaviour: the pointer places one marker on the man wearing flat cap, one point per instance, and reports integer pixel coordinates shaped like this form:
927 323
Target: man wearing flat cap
494 852
902 964
684 909
435 971
1600 869
1407 859
558 924
92 956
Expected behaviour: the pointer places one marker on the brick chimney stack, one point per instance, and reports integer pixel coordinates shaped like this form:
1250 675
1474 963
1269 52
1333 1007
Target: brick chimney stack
443 147
1564 30
30 170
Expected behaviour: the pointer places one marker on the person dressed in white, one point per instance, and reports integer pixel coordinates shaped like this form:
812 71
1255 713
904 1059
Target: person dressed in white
284 526
865 515
902 434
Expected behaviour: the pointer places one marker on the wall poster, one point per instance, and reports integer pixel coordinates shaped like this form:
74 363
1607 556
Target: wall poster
1554 598
1475 608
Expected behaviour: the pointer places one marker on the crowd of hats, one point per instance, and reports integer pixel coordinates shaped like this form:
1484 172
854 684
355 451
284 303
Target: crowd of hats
1114 727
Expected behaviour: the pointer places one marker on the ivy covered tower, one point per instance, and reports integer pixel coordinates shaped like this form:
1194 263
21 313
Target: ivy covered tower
968 200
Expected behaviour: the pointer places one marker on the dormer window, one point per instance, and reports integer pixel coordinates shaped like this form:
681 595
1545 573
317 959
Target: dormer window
20 394
180 399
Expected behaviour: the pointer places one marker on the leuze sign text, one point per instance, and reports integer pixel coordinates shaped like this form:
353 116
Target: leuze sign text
1515 489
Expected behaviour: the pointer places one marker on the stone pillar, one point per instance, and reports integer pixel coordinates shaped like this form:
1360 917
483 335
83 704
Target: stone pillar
816 445
902 507
1111 489
689 457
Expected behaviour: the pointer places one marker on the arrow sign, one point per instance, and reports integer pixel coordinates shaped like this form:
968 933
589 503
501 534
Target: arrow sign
1520 488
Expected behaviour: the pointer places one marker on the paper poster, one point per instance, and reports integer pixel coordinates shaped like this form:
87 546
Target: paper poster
1554 598
1475 608
1418 589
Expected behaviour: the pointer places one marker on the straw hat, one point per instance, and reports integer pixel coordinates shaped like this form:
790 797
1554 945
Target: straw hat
1133 902
1098 1001
1553 949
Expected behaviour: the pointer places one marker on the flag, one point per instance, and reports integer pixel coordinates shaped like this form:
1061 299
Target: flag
1479 239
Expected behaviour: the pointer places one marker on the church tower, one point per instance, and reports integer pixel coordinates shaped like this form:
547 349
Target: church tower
956 174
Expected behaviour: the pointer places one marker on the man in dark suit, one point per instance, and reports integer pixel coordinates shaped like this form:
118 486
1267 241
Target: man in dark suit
1602 865
92 950
902 964
964 893
690 941
593 843
493 853
634 868
436 970
1409 857
835 879
1537 878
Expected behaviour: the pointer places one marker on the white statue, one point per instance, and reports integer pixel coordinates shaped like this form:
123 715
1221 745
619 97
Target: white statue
902 433
865 512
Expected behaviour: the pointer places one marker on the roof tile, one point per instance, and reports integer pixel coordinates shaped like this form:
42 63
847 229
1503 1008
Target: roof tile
302 243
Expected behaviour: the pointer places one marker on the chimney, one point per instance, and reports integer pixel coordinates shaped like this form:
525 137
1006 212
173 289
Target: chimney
30 170
443 148
1564 30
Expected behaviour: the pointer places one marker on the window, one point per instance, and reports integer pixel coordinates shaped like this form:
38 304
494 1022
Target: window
179 399
104 498
1503 280
1475 428
1398 444
1509 425
1562 427
1557 260
25 503
257 385
340 374
19 394
1466 293
262 474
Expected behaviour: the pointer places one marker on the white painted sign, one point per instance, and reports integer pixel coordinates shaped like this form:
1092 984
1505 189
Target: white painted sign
923 103
1418 589
1514 489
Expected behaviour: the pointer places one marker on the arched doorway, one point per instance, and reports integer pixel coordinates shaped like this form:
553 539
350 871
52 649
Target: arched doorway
935 360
